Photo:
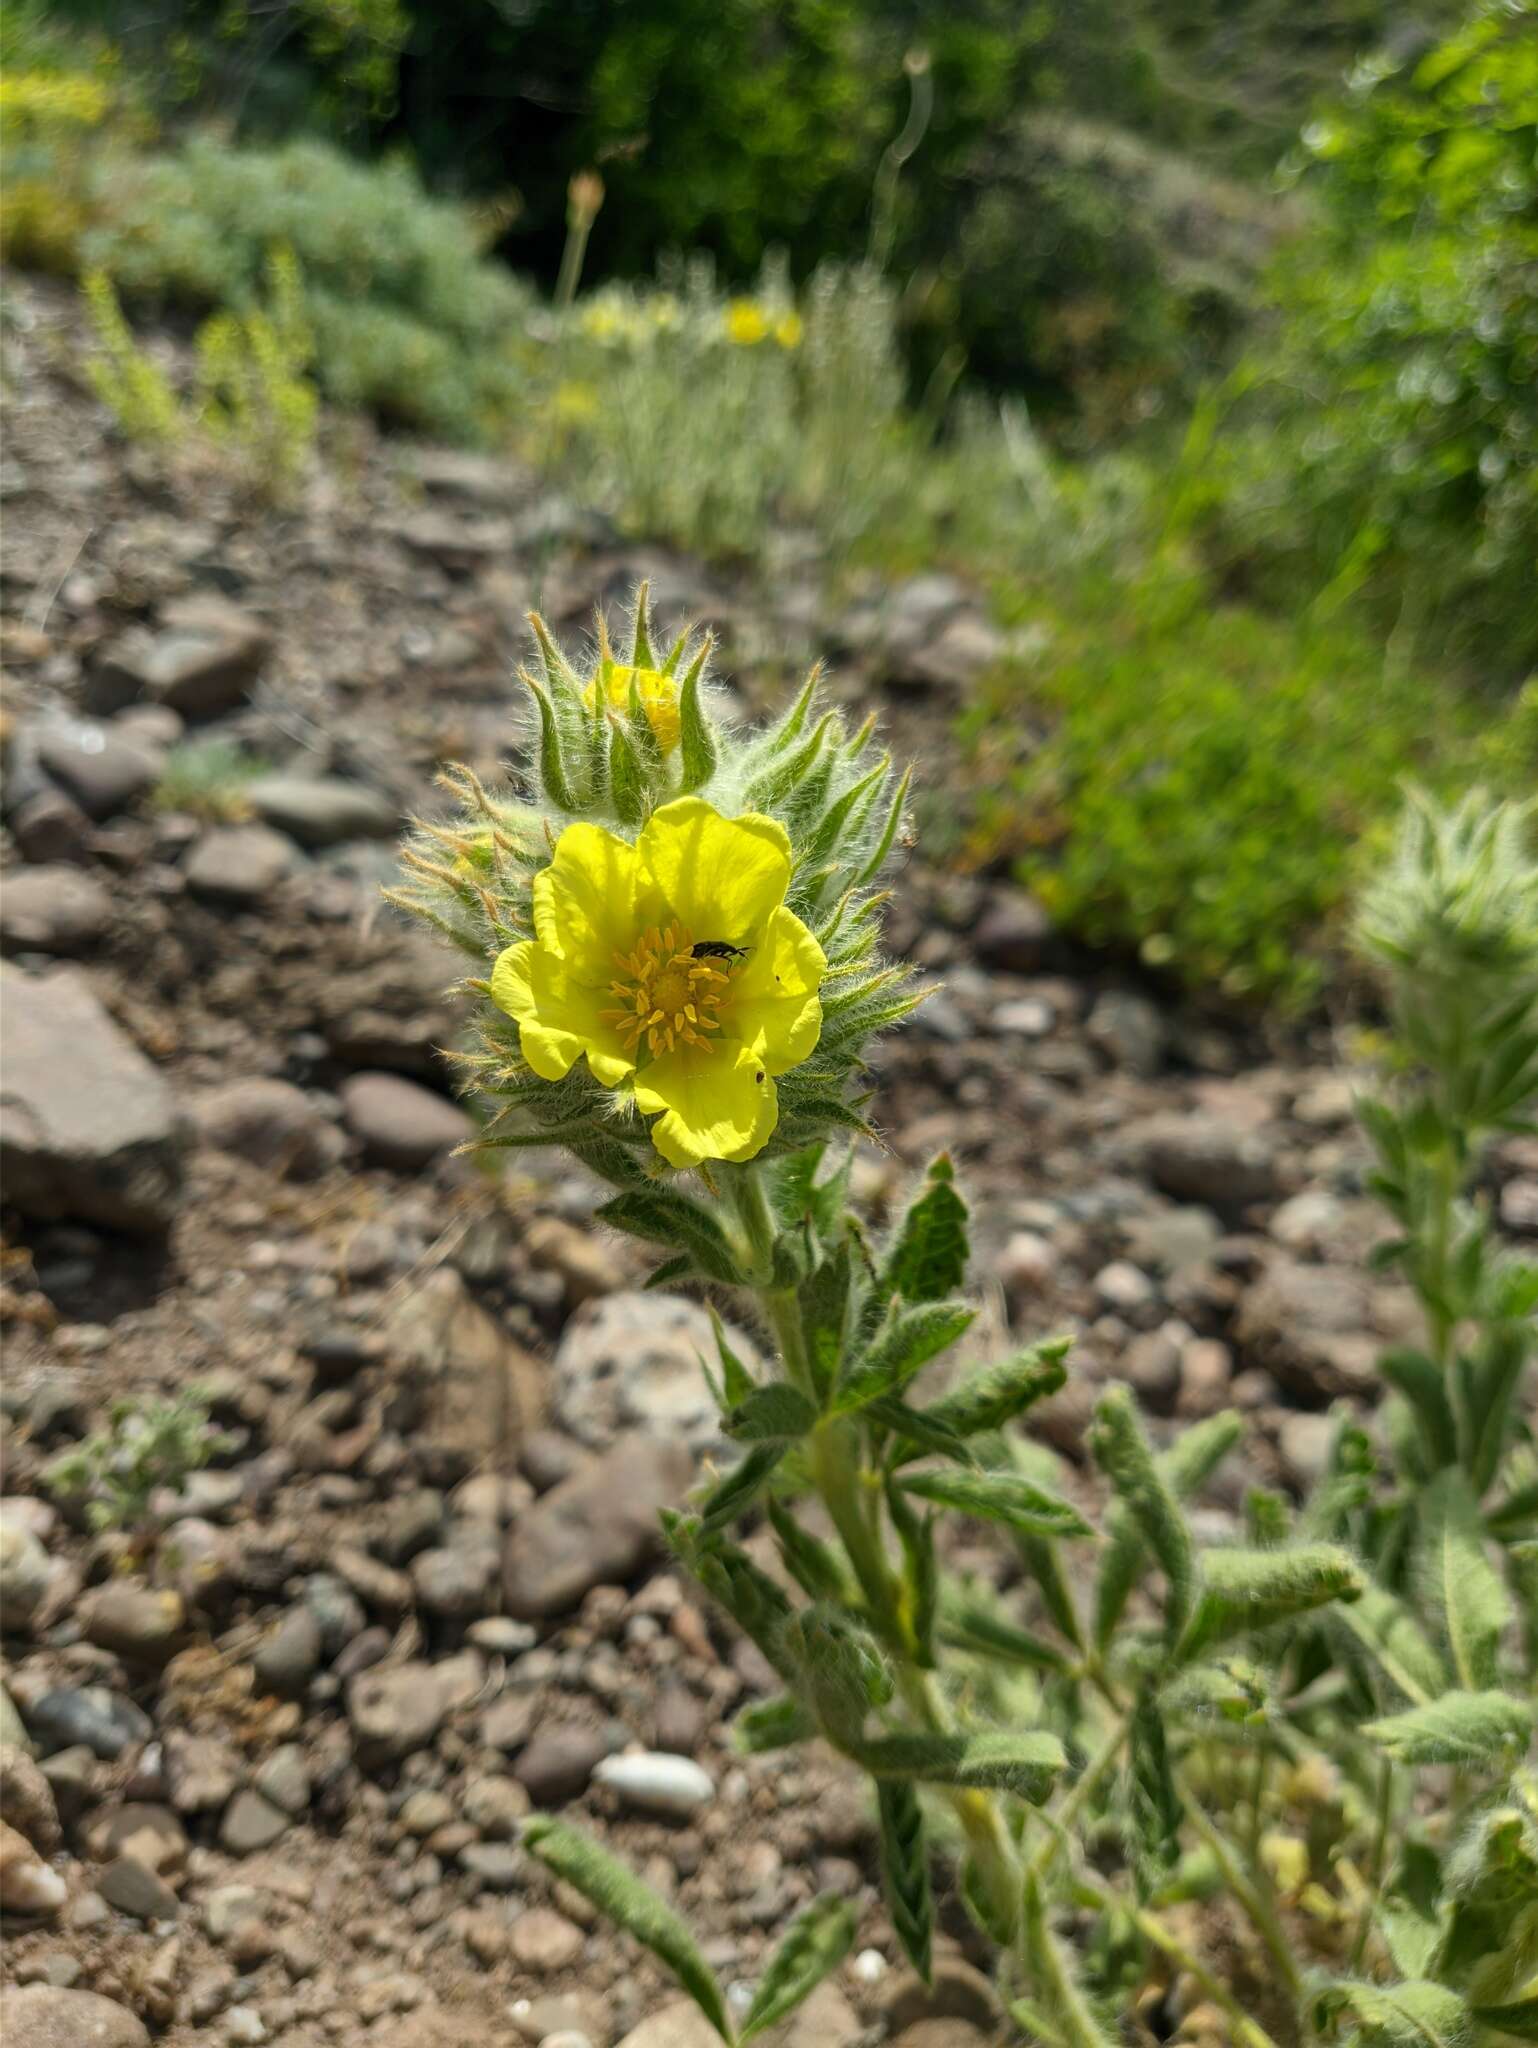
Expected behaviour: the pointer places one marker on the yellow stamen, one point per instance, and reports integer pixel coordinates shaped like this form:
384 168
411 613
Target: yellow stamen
667 996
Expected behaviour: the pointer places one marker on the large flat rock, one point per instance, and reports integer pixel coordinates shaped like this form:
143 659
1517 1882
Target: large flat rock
88 1128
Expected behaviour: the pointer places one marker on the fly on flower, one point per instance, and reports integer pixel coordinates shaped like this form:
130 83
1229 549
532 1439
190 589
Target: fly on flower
677 927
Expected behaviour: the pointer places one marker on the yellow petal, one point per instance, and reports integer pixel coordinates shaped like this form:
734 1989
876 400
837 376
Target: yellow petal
557 1017
773 1005
721 877
716 1104
588 903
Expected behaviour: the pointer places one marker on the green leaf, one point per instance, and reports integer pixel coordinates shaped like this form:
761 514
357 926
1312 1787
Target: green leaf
621 1896
753 1600
1244 1590
1043 1561
696 743
811 1563
1053 1978
778 1413
902 1349
1024 1764
1007 1497
1475 1729
1422 1384
969 1621
921 1576
918 1434
1153 1804
823 1299
627 790
552 769
736 1381
731 1496
818 1941
1459 1583
988 1399
662 1217
905 1872
1384 1628
1519 2020
929 1259
1121 1450
1415 2014
772 1724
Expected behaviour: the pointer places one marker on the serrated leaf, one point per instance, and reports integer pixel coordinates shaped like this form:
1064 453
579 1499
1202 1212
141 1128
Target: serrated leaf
778 1413
1246 1590
622 1897
1459 1583
1414 2014
1473 1729
732 1495
1007 1497
929 1259
903 1348
1153 1804
817 1941
772 1724
988 1399
662 1217
905 1872
1121 1450
1024 1764
823 1299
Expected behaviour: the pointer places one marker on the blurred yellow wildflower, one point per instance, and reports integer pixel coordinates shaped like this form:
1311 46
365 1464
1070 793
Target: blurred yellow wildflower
747 324
788 330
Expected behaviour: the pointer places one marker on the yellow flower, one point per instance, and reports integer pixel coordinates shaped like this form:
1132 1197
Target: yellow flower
575 402
674 966
746 323
658 693
788 330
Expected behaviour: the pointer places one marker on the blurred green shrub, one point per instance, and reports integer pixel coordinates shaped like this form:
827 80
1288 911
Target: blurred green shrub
703 417
408 317
1388 439
1209 779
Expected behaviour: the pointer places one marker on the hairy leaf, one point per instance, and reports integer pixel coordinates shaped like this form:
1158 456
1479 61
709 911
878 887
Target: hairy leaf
929 1259
1054 1979
774 1414
1243 1590
1384 1629
772 1724
905 1872
988 1399
903 1348
1460 1584
969 1621
1121 1450
662 1217
1153 1804
1007 1497
734 1493
622 1897
1476 1729
813 1564
1415 2014
995 1760
818 1941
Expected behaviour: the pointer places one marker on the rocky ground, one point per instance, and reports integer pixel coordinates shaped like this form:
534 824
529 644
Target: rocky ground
265 1754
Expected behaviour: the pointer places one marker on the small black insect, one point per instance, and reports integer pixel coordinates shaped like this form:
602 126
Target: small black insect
717 949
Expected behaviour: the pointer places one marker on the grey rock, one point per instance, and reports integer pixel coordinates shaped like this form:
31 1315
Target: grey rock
963 648
284 1779
1130 1031
136 1890
54 909
412 1522
1151 1366
496 1866
1014 933
26 1800
401 1124
44 2016
1199 1157
558 1764
251 1823
100 770
201 1771
271 1123
1303 1442
1173 1239
88 1128
598 1527
202 661
631 1361
1310 1327
322 810
679 2024
50 826
136 1623
395 1711
456 1583
25 1572
288 1658
238 865
1309 1221
91 1716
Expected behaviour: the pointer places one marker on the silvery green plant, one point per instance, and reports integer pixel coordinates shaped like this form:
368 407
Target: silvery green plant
114 1474
674 937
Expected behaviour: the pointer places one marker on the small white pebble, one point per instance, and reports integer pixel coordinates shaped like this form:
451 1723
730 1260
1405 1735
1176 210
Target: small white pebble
869 1966
244 2023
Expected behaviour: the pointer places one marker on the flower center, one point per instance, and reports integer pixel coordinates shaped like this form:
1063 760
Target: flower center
666 995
